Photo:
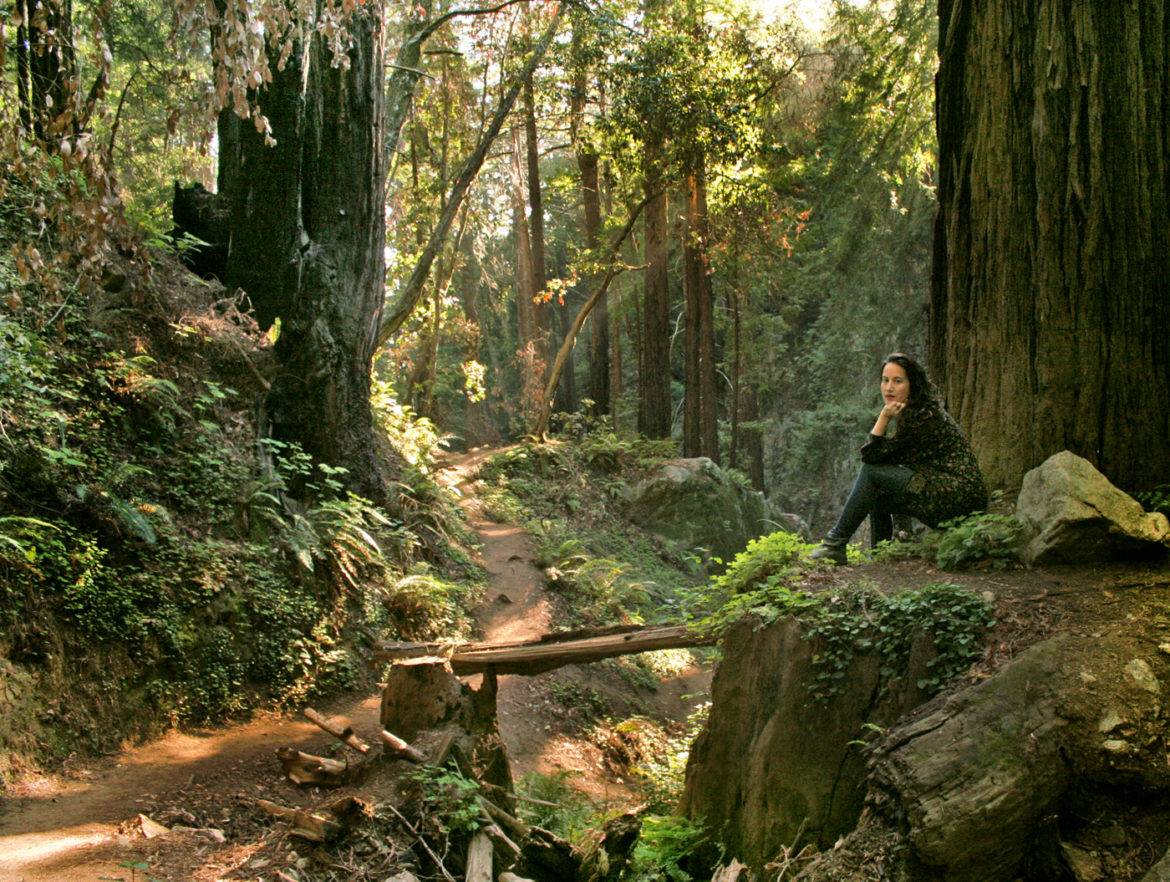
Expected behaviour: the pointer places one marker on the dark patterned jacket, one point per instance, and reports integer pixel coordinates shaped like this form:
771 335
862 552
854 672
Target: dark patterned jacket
947 482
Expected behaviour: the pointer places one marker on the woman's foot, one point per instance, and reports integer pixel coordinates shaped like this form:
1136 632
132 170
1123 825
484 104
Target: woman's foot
831 551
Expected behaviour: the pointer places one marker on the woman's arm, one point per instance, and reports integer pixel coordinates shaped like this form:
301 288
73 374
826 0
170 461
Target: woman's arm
888 412
879 449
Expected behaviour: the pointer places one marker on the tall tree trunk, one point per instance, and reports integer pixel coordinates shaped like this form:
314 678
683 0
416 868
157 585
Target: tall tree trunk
525 272
733 297
654 406
700 422
588 165
1050 302
318 195
752 439
691 440
46 69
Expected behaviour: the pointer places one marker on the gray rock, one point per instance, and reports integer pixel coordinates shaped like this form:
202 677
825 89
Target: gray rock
1085 865
1159 872
1075 515
697 504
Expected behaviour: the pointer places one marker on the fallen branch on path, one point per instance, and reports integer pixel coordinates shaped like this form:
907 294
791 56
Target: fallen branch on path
345 735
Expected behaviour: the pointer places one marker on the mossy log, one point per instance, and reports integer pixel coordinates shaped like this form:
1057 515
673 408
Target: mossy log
970 786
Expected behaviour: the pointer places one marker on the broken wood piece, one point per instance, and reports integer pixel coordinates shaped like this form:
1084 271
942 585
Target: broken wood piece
399 749
512 824
302 822
532 800
733 872
344 734
305 768
479 858
500 838
548 652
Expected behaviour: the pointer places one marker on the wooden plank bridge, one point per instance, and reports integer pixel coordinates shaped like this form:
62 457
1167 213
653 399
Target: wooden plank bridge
548 652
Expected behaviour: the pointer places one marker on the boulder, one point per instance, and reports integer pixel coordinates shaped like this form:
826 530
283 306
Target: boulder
772 764
697 504
1075 515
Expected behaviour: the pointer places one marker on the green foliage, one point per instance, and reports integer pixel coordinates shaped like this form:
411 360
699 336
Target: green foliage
584 700
570 497
662 774
663 849
761 581
988 537
984 538
1157 499
449 799
570 813
861 619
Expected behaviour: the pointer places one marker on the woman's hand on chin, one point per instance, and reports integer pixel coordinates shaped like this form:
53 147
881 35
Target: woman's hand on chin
892 409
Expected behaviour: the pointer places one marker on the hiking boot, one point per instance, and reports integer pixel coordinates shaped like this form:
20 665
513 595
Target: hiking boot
831 551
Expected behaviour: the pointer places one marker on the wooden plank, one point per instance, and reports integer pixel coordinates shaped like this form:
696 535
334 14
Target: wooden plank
550 651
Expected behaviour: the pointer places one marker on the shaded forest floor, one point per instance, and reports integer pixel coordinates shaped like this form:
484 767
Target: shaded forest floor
79 824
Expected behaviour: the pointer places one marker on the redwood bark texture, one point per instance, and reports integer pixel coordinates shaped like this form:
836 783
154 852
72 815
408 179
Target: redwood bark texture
331 256
654 408
1050 308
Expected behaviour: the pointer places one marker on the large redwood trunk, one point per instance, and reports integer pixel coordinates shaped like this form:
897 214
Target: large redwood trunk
1050 318
307 233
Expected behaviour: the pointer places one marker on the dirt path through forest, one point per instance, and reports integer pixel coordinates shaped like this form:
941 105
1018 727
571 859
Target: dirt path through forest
71 827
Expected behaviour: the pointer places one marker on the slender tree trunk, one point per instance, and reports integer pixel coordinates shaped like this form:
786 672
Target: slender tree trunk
542 311
752 438
691 439
562 356
733 296
525 272
1050 306
700 422
615 364
654 406
588 165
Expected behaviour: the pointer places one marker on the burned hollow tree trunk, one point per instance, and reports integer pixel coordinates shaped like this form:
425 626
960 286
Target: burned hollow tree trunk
1050 303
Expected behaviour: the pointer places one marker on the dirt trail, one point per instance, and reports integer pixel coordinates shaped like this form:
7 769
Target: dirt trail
65 827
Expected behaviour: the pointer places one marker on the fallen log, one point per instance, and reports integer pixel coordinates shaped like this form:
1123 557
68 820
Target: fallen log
975 787
305 768
344 734
548 652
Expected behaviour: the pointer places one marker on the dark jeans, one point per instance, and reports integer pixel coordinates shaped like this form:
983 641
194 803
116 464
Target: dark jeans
876 493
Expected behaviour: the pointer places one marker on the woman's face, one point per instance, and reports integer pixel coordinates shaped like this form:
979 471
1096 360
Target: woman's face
895 384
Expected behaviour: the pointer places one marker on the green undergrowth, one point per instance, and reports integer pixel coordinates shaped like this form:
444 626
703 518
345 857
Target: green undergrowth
766 582
985 539
154 567
570 496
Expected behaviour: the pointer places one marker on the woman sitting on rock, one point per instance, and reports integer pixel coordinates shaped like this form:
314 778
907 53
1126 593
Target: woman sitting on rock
925 468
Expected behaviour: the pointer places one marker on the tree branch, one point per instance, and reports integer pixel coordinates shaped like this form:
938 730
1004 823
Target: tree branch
554 375
411 292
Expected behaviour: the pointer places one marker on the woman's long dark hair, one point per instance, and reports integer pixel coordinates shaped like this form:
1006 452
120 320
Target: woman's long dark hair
922 394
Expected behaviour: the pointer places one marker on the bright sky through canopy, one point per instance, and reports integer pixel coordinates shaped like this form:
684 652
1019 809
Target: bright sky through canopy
814 13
